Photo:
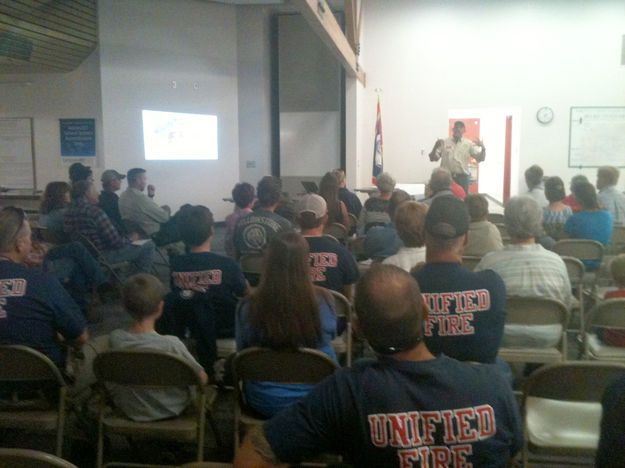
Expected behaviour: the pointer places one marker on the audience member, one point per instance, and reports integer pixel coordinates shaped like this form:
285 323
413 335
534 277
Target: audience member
243 195
590 223
375 210
332 266
351 200
34 307
610 336
382 241
408 219
254 230
484 236
466 309
609 197
137 207
611 450
205 288
329 190
407 407
54 201
286 311
570 199
528 270
142 296
556 214
109 201
84 218
78 172
439 184
534 181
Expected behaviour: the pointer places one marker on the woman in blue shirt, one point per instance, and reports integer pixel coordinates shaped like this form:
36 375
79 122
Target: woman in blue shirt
286 311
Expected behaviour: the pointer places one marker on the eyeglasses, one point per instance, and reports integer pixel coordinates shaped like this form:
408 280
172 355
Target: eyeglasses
21 214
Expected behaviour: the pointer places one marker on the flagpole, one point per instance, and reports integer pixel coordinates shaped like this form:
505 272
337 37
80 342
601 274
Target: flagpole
378 146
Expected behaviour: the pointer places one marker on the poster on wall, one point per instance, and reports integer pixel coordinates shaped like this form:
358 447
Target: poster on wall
77 137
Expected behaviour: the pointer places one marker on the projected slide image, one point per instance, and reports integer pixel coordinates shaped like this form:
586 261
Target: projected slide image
178 136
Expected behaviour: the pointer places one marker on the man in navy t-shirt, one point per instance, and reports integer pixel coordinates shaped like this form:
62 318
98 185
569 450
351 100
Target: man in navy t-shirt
34 307
467 310
332 266
407 408
205 288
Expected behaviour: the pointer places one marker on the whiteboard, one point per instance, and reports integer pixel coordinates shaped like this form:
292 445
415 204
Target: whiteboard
597 137
16 153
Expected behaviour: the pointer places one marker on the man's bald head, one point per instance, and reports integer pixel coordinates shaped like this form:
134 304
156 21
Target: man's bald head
389 308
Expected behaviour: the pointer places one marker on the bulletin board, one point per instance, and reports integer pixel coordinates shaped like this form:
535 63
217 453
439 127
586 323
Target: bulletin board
597 137
16 153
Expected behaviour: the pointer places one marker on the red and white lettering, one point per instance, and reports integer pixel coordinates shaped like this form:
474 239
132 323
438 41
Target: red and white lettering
465 432
407 457
429 417
446 298
441 456
469 305
414 423
485 421
448 418
398 429
377 426
483 299
467 328
424 455
454 325
459 307
460 453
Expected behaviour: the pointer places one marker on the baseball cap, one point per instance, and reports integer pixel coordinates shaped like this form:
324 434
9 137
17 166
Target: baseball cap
312 203
447 218
110 175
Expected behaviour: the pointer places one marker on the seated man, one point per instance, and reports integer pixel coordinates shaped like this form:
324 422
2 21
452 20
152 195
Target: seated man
205 288
142 296
84 217
535 187
375 210
351 200
78 172
484 236
407 408
109 201
332 266
382 241
528 270
440 185
34 307
467 309
609 197
254 230
409 218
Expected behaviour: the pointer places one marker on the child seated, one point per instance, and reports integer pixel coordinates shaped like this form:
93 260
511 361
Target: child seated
617 270
142 296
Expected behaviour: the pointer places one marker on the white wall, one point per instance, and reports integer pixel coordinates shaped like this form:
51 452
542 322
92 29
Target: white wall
430 57
144 46
46 98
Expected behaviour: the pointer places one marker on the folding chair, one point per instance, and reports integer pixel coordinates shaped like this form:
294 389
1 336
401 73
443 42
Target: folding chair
561 408
576 270
582 249
336 230
470 262
343 344
22 458
353 222
115 269
301 366
536 311
21 364
607 314
146 368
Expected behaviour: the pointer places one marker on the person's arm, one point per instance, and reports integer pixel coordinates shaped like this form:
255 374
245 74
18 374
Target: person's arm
255 452
481 154
344 215
106 230
435 154
152 210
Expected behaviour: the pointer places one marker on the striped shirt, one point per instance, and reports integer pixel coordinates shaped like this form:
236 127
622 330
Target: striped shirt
81 217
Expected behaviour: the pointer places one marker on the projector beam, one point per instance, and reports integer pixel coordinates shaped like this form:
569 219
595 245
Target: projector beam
318 14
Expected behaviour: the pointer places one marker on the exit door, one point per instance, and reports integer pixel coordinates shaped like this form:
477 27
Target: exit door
472 126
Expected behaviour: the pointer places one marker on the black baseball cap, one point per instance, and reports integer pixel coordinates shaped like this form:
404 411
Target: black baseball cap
447 218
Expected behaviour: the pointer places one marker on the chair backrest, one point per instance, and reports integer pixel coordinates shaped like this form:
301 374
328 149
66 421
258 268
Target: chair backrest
252 263
575 269
535 311
583 249
496 218
617 241
23 458
582 381
342 304
609 314
470 262
148 368
353 221
21 363
302 366
336 230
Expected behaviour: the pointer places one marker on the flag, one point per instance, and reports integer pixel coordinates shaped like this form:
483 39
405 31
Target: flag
377 146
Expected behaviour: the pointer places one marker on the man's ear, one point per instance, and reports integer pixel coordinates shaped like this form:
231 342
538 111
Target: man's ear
324 220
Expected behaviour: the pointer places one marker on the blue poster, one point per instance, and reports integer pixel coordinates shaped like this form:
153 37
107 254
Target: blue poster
77 137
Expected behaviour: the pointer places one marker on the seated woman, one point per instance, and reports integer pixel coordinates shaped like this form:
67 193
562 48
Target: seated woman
590 223
484 236
286 311
329 190
54 201
556 213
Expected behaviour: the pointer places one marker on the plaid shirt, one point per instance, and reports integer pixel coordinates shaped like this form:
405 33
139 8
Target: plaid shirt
92 222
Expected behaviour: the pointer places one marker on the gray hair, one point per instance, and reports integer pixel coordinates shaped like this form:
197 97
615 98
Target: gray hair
440 179
523 218
385 182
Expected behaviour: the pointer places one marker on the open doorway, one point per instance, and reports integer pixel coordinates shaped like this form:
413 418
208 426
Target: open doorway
499 129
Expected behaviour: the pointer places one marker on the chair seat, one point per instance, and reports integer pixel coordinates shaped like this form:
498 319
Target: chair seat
35 421
604 352
226 347
563 424
530 354
183 428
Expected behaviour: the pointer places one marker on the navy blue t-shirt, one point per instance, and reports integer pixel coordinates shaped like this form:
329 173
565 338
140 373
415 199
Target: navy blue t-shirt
215 281
467 311
332 266
33 308
389 413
